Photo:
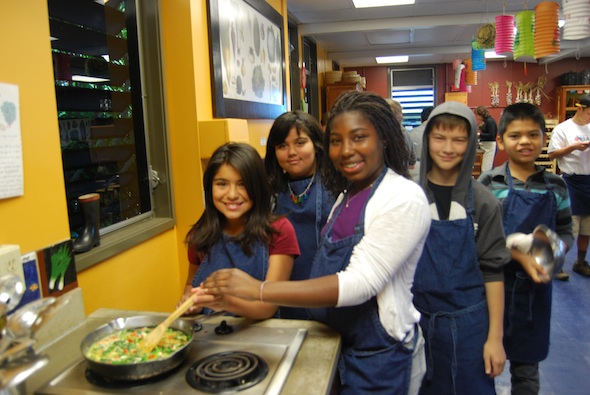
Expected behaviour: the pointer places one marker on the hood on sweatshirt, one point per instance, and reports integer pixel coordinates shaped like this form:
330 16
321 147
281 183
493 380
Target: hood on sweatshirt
460 193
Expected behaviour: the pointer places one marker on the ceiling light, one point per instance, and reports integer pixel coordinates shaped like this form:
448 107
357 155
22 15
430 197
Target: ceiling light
86 78
380 3
392 59
493 55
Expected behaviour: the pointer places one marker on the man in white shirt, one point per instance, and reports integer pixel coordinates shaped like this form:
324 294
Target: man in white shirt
569 144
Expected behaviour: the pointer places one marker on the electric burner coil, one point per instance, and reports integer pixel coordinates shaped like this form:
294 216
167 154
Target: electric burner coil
227 372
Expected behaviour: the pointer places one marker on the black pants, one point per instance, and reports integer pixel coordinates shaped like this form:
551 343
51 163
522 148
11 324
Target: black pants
524 378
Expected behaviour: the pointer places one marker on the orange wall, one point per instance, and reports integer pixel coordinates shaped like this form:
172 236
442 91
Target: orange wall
149 276
39 218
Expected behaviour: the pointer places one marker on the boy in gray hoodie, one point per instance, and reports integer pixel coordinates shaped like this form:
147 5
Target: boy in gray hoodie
459 283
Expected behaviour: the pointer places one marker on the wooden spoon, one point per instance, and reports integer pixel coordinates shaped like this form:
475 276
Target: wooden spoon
148 343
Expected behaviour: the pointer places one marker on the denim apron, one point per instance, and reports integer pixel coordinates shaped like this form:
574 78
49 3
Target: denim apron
527 311
308 217
578 186
371 361
449 292
227 254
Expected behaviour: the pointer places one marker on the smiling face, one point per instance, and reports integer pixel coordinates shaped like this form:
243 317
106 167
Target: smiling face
523 141
231 198
356 149
447 148
296 155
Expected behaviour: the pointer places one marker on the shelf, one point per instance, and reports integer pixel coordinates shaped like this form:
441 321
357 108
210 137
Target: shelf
567 96
336 89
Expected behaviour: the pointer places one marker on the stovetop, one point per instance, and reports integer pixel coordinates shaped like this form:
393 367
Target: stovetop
278 347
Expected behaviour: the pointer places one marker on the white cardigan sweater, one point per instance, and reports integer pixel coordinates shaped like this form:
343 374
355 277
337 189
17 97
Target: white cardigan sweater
397 221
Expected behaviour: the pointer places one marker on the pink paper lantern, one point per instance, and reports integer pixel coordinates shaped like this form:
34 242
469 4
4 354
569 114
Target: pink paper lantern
504 34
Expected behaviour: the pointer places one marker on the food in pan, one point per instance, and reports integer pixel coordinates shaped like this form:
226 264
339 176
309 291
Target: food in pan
120 348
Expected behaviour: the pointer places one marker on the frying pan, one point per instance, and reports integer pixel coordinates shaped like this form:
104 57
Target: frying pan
141 370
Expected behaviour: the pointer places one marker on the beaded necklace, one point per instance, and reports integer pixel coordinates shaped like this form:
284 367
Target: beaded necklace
303 195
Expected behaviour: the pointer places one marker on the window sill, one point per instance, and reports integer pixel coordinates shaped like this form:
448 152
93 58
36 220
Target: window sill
123 239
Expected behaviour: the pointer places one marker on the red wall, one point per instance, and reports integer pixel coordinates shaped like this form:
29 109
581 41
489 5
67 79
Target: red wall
496 71
377 81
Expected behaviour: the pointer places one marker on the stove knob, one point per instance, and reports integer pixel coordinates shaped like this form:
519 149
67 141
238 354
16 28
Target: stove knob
224 328
197 327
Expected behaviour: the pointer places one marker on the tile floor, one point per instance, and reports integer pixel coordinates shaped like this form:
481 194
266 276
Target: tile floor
565 370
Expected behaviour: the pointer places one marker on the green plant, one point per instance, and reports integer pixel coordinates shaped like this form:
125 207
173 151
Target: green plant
60 260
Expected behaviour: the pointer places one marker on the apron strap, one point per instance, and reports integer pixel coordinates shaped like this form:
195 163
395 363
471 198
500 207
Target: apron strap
512 307
430 362
431 329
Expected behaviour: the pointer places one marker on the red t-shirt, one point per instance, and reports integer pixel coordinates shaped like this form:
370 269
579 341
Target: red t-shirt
284 242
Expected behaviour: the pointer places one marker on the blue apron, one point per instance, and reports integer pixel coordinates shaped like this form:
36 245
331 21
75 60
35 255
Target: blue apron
527 311
371 360
228 254
308 217
449 292
578 186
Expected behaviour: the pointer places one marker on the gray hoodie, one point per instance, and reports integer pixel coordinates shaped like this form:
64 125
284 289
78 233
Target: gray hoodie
460 190
490 241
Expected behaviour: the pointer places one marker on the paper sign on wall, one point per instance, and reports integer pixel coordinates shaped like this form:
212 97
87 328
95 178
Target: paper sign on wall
11 153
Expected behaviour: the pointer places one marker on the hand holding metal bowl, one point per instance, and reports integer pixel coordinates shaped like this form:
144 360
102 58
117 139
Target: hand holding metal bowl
548 250
544 246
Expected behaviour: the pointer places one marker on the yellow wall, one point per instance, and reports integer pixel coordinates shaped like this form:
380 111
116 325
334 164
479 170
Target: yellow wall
39 218
151 275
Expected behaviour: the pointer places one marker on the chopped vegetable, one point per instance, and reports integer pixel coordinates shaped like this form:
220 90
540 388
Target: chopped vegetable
120 348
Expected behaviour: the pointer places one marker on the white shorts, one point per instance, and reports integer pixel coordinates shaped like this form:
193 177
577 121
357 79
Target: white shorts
581 225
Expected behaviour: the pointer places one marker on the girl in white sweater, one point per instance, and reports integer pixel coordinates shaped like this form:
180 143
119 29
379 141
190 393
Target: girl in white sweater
364 269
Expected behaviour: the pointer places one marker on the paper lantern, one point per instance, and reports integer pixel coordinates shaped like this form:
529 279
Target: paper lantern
546 29
485 36
470 75
504 34
478 59
524 41
576 14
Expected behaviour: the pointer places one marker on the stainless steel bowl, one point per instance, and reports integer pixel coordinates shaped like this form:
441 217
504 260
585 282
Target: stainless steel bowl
548 250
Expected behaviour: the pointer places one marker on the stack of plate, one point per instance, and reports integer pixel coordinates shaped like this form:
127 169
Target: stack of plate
333 77
546 29
351 77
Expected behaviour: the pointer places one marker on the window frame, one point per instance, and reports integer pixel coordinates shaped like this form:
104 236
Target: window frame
162 216
414 108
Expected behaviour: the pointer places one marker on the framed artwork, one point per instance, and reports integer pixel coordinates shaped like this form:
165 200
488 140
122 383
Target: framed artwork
247 59
57 269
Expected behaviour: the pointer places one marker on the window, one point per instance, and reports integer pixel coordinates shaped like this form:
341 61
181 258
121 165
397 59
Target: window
106 60
414 90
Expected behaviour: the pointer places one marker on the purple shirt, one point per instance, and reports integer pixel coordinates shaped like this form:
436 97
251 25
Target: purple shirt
349 215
